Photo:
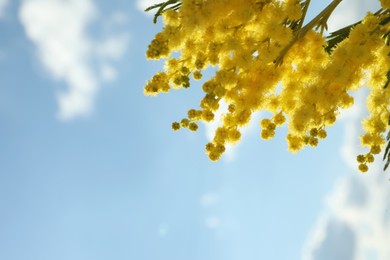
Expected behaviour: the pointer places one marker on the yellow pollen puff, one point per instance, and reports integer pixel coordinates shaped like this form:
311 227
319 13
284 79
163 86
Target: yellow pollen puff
175 126
197 75
256 48
209 147
267 134
271 126
363 167
375 149
361 158
208 87
314 132
232 108
295 143
265 123
220 148
184 122
207 115
193 126
385 4
330 118
214 156
313 141
370 158
279 119
220 135
233 135
192 114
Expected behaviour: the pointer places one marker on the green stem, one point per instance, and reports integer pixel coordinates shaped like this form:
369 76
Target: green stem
304 12
318 21
161 8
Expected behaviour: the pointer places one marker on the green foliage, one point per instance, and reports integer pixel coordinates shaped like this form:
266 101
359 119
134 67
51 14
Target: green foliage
162 7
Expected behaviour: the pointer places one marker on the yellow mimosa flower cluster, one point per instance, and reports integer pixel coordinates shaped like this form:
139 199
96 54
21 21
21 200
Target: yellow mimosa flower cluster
266 61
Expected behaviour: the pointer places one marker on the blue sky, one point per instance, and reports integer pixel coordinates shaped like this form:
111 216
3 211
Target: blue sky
90 169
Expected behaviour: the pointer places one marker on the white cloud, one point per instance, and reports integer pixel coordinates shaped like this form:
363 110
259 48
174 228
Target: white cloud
3 55
209 199
349 12
3 5
163 230
338 243
355 224
213 222
118 18
113 47
108 72
58 29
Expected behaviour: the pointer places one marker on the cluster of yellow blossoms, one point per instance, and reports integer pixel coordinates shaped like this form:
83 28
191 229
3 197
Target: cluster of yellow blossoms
267 61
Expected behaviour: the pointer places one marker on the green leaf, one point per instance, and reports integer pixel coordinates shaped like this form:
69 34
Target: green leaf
164 6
